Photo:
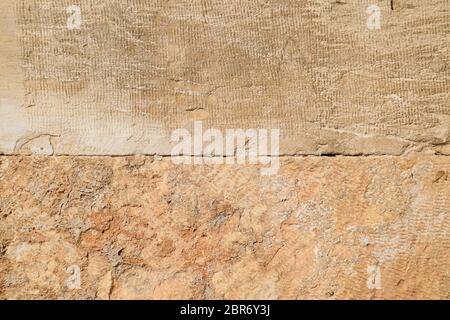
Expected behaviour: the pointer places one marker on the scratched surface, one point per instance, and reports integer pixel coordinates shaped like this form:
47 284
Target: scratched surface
136 70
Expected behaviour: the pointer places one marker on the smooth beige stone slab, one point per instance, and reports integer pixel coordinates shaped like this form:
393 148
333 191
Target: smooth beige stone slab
136 70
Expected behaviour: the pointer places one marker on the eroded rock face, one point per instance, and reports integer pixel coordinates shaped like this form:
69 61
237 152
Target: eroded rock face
118 81
88 77
138 228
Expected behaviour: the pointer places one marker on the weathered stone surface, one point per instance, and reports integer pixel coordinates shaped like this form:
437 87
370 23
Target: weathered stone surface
335 227
141 227
136 70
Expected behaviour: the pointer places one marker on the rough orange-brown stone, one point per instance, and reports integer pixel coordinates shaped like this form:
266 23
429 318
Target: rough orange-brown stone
139 228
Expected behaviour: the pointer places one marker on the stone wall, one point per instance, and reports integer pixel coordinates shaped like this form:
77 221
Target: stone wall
137 227
93 207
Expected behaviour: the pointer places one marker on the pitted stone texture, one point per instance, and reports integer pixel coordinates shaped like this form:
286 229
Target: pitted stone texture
138 228
136 70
